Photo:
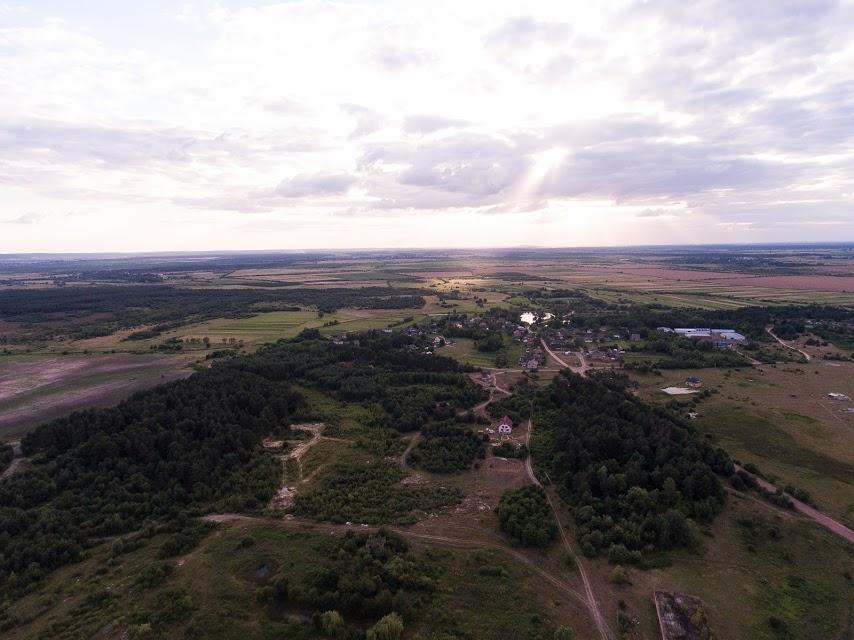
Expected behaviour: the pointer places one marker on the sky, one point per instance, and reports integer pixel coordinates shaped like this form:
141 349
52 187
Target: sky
201 125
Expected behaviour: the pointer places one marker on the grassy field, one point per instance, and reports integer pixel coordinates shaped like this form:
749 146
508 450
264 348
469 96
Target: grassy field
275 325
756 564
463 349
779 417
213 592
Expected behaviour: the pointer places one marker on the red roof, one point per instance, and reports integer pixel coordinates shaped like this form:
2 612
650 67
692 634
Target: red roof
506 420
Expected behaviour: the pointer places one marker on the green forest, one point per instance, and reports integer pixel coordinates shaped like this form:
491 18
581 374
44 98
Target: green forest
193 446
639 479
525 515
86 312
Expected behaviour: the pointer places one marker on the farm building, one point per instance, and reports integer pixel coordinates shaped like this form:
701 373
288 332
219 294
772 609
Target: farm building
720 337
837 396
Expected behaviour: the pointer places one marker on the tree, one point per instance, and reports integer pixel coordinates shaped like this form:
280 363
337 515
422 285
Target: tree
563 633
389 627
332 624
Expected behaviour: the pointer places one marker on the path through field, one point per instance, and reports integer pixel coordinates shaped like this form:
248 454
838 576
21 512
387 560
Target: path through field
581 370
590 598
770 330
285 495
810 512
461 543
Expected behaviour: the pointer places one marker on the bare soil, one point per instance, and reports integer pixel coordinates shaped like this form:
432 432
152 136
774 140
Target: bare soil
35 390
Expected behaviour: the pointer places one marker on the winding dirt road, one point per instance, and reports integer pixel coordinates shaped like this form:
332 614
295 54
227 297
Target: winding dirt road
770 331
581 370
460 543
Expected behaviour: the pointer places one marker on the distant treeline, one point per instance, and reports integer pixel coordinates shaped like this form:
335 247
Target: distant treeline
81 312
789 321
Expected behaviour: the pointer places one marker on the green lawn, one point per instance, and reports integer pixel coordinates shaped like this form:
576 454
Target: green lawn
463 349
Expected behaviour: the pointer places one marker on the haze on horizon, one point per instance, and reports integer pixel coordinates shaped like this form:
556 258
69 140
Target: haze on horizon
292 125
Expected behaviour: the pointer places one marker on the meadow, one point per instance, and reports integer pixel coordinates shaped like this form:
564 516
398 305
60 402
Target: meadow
780 418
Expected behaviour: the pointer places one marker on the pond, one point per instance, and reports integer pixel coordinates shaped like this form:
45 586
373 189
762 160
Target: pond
529 317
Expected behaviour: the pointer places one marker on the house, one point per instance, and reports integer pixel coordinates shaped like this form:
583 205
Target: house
635 337
505 426
694 382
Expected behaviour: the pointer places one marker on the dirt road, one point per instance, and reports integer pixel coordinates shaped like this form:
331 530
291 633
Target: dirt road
285 495
590 598
460 543
581 370
409 447
16 460
770 330
810 512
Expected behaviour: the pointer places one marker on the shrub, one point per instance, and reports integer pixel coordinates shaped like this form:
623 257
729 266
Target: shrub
525 515
390 627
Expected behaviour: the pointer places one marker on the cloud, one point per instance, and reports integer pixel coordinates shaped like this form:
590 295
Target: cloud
736 112
654 213
26 218
397 58
318 184
431 123
523 31
367 120
284 106
661 169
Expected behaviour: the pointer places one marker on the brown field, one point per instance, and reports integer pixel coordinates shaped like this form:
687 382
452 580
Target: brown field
36 389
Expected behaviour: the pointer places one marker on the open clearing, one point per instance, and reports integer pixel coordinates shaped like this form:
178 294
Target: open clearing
39 388
780 418
464 350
